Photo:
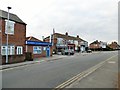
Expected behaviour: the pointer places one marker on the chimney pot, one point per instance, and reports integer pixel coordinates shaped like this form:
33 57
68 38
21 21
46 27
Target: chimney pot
66 33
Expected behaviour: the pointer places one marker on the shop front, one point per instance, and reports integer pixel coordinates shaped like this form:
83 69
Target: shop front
39 48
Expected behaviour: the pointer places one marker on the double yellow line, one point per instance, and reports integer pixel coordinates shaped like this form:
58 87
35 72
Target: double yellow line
82 75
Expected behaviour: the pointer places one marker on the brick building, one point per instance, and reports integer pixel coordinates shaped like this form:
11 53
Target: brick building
114 46
63 41
38 48
98 45
16 37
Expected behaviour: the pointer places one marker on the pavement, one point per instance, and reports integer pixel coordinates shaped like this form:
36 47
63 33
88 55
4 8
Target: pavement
104 77
37 60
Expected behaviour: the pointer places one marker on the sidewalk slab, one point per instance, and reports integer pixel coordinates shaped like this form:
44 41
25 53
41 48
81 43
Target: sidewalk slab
104 77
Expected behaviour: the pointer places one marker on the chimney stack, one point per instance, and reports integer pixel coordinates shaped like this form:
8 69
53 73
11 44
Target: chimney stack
66 33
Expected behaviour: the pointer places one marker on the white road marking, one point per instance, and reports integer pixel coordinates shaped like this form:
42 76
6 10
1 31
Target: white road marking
112 62
82 75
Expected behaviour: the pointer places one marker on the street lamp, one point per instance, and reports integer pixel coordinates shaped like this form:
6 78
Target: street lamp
7 34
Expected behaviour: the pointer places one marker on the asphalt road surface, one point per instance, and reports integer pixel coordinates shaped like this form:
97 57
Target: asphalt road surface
52 73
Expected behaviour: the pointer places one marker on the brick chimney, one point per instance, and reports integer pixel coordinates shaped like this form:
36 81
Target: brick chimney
77 36
66 33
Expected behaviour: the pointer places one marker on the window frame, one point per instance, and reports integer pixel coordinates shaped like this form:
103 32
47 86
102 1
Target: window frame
11 50
21 50
37 49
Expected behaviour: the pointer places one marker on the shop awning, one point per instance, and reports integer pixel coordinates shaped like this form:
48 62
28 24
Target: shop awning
38 43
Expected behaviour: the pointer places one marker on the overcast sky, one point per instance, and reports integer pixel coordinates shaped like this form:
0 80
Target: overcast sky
90 19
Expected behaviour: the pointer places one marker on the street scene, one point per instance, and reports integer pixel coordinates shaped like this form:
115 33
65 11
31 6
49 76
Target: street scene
59 44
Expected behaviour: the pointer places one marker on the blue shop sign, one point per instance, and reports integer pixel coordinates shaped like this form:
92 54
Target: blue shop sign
38 43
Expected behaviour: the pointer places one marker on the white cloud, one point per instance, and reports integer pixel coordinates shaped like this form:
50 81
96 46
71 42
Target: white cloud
91 19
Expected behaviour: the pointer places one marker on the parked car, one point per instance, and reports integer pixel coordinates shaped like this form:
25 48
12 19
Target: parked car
54 52
59 53
68 52
89 51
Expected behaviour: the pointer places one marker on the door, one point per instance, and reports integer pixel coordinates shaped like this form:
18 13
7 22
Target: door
48 52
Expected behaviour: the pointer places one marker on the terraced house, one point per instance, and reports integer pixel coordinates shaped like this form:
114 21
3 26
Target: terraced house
98 45
16 37
65 41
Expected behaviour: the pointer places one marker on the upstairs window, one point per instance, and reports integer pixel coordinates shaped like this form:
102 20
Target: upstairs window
9 27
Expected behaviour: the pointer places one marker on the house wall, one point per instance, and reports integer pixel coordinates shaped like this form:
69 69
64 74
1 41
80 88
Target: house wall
43 54
94 46
114 45
54 42
18 39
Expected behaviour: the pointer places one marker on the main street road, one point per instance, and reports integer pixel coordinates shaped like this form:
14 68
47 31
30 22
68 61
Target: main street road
52 73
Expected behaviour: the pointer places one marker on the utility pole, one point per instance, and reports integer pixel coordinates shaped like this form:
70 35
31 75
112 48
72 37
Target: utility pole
7 35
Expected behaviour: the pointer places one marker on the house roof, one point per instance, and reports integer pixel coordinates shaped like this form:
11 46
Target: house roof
95 42
13 17
34 41
67 37
31 38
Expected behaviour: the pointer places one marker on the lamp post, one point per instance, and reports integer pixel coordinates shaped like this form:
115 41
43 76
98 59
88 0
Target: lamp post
7 34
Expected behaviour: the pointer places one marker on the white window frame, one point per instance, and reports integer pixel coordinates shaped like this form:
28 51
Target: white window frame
11 50
37 49
21 50
44 48
2 47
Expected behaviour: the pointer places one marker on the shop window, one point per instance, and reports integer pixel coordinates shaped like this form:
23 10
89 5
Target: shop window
37 50
11 50
19 50
44 48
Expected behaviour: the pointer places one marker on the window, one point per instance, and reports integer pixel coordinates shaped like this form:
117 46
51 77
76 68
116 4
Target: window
11 50
19 50
60 41
37 50
3 50
9 29
44 48
95 45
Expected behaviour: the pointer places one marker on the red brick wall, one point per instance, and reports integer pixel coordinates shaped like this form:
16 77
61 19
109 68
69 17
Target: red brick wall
13 59
18 39
94 46
113 45
43 54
